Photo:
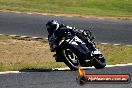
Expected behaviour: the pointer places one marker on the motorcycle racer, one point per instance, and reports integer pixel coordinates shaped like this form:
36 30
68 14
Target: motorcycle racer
74 47
57 31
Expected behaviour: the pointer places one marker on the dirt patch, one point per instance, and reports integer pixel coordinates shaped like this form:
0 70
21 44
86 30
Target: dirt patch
19 54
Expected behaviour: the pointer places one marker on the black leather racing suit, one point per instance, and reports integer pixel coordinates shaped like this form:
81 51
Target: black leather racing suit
58 34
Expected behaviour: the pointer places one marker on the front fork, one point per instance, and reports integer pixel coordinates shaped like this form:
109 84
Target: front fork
96 52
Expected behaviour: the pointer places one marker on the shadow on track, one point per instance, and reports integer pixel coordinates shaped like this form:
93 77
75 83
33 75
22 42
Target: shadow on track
35 70
43 70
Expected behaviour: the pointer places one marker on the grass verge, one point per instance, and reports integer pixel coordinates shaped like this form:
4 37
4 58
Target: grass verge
83 7
18 54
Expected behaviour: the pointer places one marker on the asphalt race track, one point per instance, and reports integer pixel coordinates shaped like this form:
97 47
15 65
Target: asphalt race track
110 31
46 78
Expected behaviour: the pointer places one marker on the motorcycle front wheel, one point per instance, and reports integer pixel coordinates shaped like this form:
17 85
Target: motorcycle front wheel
71 59
99 63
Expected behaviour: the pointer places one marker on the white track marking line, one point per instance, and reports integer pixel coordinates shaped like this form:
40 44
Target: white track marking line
1 34
61 69
9 72
128 45
37 38
46 38
13 35
104 43
116 44
24 36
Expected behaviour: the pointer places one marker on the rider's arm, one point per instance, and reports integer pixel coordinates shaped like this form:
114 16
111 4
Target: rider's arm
52 42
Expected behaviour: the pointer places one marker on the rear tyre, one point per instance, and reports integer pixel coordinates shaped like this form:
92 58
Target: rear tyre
70 59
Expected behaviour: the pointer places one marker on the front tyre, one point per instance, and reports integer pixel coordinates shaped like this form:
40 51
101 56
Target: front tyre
70 59
99 62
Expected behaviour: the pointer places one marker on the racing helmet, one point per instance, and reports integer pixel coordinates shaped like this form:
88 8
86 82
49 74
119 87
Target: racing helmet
52 26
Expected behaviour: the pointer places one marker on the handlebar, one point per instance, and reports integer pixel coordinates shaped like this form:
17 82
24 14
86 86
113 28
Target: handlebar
88 31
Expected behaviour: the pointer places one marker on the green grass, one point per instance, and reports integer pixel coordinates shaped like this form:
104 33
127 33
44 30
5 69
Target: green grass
117 54
82 7
19 54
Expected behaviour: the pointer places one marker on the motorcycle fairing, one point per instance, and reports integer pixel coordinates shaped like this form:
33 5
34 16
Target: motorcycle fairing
80 46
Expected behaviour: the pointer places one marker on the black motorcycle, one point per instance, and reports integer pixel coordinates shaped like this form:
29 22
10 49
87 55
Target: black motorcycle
74 52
